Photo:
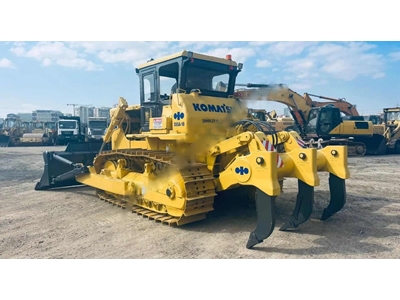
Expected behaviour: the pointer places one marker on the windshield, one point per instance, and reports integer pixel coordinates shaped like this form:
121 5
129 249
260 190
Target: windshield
206 79
51 125
9 123
67 124
393 116
210 78
98 124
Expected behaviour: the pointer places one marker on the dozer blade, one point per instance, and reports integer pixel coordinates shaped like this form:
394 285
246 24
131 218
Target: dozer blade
376 145
303 208
60 168
4 140
265 218
337 187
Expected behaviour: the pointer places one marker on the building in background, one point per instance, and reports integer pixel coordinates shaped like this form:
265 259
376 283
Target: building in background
102 112
46 115
26 117
84 112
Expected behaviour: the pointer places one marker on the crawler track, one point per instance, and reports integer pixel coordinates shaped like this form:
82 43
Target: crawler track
198 182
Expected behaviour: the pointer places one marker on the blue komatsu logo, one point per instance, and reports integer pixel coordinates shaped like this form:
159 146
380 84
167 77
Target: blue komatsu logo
242 170
213 108
179 116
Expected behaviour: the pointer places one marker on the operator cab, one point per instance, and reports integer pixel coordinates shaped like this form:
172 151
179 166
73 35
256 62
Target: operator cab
374 119
183 72
322 120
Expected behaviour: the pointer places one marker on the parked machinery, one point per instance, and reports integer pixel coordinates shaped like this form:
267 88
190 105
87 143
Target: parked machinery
96 128
391 127
11 131
278 123
37 134
172 156
320 124
69 130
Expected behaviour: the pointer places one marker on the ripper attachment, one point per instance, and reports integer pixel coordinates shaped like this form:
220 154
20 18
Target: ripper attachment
265 218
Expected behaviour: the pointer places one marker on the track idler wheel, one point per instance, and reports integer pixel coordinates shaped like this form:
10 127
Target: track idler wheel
303 208
337 188
265 205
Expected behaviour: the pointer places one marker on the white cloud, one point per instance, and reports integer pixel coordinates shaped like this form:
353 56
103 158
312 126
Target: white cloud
6 63
379 75
395 56
197 46
349 60
260 43
134 53
55 52
300 86
300 64
47 62
262 63
239 55
93 47
288 48
18 50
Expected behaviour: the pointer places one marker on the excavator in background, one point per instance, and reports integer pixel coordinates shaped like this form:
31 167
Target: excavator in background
280 123
386 124
345 107
320 124
172 156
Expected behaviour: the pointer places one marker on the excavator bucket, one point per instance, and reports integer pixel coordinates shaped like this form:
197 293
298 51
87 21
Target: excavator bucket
61 167
376 145
4 140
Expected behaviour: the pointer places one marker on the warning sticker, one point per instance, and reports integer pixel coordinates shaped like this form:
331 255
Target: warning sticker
157 123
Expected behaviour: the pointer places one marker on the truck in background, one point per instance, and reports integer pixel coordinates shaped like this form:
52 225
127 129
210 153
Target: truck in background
96 128
69 129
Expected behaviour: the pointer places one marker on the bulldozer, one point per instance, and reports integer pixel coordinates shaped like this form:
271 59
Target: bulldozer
171 156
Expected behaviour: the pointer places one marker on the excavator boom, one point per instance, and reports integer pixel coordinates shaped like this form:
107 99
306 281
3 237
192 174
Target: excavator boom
345 107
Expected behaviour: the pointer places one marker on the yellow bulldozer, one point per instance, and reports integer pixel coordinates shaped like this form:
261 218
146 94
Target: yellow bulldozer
172 156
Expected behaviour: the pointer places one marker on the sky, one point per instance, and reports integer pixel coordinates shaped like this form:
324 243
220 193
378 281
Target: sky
52 70
51 75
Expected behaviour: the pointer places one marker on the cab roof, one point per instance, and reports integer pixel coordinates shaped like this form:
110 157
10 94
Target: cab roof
185 53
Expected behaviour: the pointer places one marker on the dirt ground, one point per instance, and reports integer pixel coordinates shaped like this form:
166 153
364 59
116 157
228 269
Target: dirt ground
74 223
